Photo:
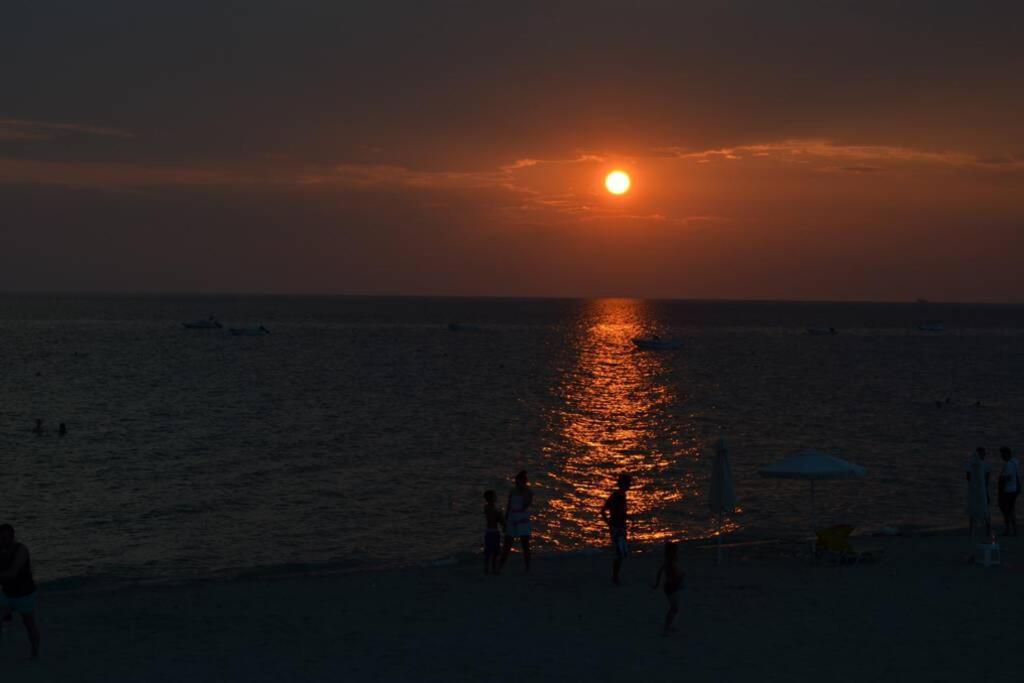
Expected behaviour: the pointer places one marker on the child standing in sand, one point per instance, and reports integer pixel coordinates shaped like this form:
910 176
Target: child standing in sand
673 583
492 536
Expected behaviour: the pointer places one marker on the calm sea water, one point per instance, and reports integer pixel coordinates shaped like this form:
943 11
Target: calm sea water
363 432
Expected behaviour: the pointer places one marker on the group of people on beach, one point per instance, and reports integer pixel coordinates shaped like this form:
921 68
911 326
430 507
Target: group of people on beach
515 521
1008 487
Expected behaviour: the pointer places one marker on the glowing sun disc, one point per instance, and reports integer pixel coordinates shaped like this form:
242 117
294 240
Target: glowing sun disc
617 182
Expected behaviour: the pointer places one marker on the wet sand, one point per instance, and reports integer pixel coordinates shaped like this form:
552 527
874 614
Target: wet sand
920 613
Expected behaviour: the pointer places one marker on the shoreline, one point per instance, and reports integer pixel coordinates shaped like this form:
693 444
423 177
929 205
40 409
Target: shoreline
297 570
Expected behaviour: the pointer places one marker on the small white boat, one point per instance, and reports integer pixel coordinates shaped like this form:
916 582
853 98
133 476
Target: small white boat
210 323
656 343
249 331
932 326
821 331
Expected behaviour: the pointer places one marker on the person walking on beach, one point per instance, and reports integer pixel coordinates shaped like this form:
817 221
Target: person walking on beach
978 473
38 429
492 536
613 512
673 583
19 589
1009 488
517 520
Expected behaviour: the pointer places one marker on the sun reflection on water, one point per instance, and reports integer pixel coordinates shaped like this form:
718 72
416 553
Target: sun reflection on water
617 410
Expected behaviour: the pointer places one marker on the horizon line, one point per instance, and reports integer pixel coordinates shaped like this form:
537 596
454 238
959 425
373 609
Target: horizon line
506 297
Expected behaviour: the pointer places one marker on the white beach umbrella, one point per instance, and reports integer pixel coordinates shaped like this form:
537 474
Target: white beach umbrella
722 498
811 465
977 495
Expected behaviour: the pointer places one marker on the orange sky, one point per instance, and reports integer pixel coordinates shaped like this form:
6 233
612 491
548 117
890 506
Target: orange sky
795 151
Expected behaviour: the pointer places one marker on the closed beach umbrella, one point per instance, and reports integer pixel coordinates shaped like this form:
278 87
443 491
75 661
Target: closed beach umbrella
722 498
812 466
977 495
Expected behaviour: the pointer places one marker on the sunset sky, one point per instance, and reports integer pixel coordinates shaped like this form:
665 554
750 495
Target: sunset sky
785 150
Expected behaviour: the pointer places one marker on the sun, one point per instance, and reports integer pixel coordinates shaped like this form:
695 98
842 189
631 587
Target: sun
617 182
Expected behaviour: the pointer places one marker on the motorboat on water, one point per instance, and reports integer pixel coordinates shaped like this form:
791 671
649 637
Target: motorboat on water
822 331
463 327
656 343
210 323
932 326
249 331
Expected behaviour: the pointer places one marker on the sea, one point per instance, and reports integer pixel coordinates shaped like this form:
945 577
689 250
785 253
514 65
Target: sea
362 432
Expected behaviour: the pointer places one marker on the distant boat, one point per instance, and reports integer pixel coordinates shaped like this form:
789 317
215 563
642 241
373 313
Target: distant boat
210 323
922 301
462 327
249 331
932 326
656 343
821 331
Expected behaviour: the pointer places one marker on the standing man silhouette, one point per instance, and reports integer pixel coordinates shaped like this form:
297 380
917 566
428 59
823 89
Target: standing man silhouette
18 587
1009 489
613 512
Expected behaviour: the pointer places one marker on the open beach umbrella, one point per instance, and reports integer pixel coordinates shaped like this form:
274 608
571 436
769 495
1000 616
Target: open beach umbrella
722 498
811 465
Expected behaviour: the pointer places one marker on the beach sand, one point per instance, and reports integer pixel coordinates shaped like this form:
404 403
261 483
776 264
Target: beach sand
921 613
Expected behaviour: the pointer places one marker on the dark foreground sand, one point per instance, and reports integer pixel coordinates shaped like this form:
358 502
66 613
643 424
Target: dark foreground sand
922 613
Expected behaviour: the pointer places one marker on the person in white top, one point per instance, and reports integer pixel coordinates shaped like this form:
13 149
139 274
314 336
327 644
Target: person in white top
1009 487
517 519
978 472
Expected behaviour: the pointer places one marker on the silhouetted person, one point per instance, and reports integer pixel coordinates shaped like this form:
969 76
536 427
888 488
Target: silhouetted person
1009 488
517 519
62 430
673 582
492 536
38 429
18 587
977 493
613 512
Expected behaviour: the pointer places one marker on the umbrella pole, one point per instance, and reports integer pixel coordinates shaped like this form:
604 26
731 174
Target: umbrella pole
719 561
814 520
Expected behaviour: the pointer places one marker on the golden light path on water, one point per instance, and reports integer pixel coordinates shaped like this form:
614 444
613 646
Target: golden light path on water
617 411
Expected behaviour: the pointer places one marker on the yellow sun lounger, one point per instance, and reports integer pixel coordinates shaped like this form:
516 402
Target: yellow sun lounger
834 543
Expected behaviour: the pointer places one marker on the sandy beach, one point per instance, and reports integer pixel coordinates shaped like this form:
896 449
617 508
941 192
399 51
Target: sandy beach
920 613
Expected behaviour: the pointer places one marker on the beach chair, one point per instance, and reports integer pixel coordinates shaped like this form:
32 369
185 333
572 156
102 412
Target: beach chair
834 544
